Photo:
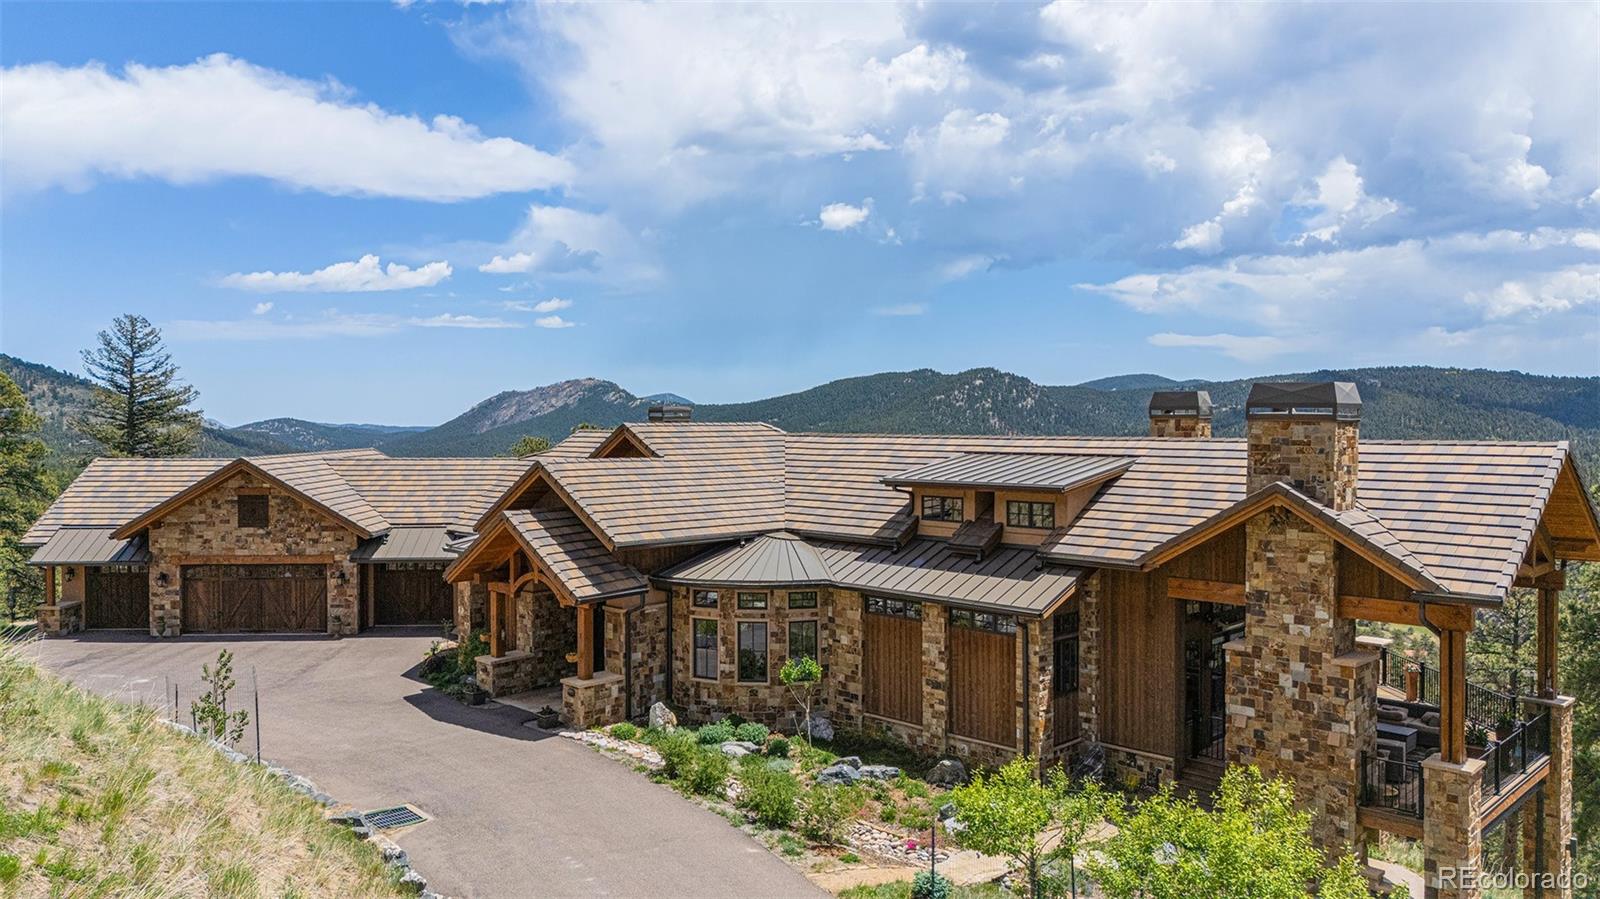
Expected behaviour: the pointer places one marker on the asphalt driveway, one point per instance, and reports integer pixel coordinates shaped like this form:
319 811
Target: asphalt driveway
514 812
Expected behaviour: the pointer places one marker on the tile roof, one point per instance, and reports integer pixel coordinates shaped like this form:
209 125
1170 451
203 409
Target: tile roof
430 492
1012 471
316 479
566 548
111 492
90 546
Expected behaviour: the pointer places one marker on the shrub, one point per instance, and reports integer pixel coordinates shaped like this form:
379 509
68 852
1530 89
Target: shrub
751 732
850 858
721 732
708 774
778 748
930 885
913 788
768 793
677 750
825 811
916 816
624 731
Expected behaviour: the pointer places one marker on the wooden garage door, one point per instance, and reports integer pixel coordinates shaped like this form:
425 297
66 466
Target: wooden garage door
411 594
983 676
117 596
891 659
255 598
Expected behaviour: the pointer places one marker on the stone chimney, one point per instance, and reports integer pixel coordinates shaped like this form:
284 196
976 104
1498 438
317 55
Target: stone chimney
670 412
1305 434
1180 413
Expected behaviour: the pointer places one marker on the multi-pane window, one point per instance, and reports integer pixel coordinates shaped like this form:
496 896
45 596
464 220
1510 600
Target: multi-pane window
897 608
941 508
803 639
705 648
753 651
802 599
1021 514
1064 660
252 510
984 621
705 599
752 600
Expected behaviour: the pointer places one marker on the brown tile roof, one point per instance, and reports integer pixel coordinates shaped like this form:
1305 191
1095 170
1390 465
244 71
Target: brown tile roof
572 554
431 492
111 492
577 445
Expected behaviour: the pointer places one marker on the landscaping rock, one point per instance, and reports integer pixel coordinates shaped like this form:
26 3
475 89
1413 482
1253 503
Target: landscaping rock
853 761
838 774
437 662
662 717
878 772
821 728
948 773
414 882
733 750
394 855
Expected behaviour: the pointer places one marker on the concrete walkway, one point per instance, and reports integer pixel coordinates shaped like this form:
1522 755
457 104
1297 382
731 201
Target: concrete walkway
514 812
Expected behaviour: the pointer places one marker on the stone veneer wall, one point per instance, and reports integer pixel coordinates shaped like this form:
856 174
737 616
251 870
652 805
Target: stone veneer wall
769 702
649 659
1557 819
1318 456
1452 835
472 608
594 702
208 526
1089 598
546 631
1180 426
1301 702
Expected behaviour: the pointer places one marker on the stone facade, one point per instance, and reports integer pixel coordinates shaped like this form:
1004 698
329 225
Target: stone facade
1089 659
506 675
1180 426
1317 456
1452 834
1301 701
472 608
649 658
1136 771
207 527
546 632
592 702
1557 819
61 618
768 701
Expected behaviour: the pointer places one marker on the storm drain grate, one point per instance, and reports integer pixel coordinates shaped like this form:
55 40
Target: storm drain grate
387 818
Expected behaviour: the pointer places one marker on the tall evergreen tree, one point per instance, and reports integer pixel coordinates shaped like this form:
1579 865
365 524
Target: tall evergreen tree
140 407
25 490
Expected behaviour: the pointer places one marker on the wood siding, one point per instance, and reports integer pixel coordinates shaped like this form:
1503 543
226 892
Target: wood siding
1141 682
983 685
1358 577
411 595
1218 559
255 598
892 663
116 599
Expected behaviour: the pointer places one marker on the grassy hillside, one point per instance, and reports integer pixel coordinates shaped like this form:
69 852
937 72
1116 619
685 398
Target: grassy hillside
101 799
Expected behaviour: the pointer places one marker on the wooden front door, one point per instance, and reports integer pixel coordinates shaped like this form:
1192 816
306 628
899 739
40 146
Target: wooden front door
411 594
891 659
255 598
117 596
983 677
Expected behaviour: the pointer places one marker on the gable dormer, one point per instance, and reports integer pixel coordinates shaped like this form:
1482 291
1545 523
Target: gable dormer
624 443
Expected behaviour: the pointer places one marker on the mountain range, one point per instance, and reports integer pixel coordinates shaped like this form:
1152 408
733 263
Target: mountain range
1399 402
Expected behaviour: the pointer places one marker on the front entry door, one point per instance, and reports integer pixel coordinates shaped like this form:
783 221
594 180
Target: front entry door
1208 627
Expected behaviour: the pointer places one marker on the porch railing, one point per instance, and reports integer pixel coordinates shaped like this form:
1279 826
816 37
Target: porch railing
1393 784
1510 757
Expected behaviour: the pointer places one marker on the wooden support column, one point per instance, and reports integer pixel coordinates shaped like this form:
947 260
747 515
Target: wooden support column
1453 696
1549 624
585 641
50 585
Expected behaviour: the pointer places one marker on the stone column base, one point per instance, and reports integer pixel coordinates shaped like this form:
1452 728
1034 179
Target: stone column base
1452 828
506 675
60 620
594 701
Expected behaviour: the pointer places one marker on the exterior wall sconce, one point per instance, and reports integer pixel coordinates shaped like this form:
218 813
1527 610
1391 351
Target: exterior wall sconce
162 579
341 577
71 572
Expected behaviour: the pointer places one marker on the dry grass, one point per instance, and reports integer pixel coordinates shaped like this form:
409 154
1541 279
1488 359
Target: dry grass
101 799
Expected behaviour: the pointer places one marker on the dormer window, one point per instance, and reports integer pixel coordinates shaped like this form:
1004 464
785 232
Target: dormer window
1021 514
941 508
252 510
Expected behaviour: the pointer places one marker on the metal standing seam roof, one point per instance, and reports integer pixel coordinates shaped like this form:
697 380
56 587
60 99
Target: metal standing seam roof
424 544
90 546
1012 471
572 554
776 558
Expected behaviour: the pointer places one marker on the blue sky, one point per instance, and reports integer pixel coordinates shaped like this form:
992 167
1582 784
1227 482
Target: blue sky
385 213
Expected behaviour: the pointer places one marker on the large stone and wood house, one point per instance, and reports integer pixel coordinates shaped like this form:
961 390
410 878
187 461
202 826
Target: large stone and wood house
1156 607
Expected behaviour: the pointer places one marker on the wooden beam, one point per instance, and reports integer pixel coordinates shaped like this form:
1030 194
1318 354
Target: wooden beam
585 642
1205 591
1563 547
50 585
1453 696
1400 611
1389 821
1546 674
244 559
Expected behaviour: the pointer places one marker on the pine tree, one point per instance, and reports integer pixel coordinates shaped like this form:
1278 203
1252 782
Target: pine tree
1501 648
25 490
140 407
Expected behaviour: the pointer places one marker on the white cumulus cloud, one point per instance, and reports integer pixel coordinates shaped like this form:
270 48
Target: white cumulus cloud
552 321
843 216
557 240
364 275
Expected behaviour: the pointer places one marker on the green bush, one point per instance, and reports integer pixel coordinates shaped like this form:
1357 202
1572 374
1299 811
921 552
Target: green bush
721 732
751 732
769 793
624 731
708 774
929 885
913 788
677 749
778 748
825 811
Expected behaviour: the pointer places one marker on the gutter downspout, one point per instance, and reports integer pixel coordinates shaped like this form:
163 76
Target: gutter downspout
1027 721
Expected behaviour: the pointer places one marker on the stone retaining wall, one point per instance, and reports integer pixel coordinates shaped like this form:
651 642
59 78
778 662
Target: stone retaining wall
592 702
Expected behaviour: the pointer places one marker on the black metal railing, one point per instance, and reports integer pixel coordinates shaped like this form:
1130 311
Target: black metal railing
1392 670
1391 783
1510 757
1217 747
1427 684
1490 708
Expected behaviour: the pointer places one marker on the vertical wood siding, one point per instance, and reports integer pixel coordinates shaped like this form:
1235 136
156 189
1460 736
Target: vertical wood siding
983 685
892 659
1141 680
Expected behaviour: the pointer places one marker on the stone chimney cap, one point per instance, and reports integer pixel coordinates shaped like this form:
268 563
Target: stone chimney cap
1304 399
670 412
1175 403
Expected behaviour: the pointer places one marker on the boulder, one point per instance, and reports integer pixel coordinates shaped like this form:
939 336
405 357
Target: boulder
838 774
948 773
733 750
878 772
662 717
821 728
853 761
413 882
437 662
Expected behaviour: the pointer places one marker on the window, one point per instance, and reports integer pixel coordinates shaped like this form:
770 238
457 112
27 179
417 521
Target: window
1064 662
1030 515
984 621
752 600
802 599
803 639
705 599
753 651
252 510
705 648
896 608
941 508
